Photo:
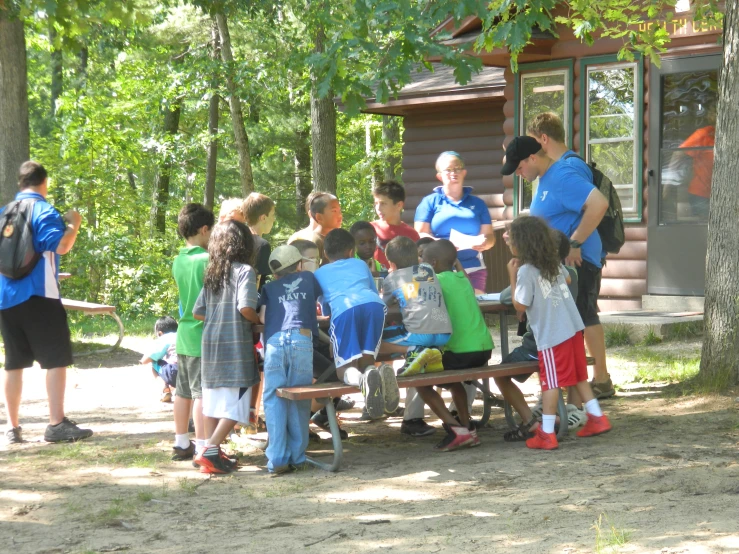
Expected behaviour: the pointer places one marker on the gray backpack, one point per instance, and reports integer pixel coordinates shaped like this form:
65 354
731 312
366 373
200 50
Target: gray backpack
18 257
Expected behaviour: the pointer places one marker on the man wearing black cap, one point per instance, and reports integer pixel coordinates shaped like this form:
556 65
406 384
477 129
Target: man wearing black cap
571 204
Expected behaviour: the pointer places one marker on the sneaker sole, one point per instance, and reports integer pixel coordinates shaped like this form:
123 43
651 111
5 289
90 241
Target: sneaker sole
67 439
594 434
418 435
374 402
390 390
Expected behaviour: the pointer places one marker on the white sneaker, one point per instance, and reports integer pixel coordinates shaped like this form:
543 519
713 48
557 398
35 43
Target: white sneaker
576 417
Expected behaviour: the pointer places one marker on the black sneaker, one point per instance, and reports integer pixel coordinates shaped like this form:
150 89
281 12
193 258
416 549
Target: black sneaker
211 460
343 404
416 428
66 431
14 435
371 386
182 454
319 419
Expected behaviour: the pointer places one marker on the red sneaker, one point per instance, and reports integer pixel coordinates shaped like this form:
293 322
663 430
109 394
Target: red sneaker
542 440
475 439
456 437
595 426
212 462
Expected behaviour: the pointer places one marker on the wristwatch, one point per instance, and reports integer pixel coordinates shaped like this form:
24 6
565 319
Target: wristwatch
575 243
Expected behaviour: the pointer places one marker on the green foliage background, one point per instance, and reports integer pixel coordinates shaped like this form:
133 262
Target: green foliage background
105 143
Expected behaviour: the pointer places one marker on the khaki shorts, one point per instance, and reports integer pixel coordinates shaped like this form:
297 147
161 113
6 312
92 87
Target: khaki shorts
188 377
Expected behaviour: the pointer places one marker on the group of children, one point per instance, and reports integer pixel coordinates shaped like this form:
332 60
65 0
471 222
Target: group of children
229 280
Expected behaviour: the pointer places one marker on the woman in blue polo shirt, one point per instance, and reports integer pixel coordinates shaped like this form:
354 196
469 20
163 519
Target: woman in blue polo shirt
453 206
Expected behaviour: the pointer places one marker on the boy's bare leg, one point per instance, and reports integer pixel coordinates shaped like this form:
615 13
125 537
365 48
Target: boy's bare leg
367 360
549 401
434 401
459 395
256 399
584 391
13 391
209 426
220 431
514 397
56 384
595 340
182 408
573 397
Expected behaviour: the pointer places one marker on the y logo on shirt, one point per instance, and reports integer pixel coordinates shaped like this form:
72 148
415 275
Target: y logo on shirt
544 195
290 293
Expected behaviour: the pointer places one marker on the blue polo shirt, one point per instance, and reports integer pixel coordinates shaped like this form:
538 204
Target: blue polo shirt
466 216
48 230
559 200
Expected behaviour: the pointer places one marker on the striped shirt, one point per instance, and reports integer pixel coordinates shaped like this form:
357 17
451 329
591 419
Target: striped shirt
228 347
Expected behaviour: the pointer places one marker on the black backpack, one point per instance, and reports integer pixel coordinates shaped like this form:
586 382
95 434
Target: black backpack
611 227
17 254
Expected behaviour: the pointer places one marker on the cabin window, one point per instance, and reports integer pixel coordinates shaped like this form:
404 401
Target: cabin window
542 91
611 132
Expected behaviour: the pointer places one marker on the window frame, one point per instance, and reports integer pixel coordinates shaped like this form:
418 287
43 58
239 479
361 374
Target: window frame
542 68
612 62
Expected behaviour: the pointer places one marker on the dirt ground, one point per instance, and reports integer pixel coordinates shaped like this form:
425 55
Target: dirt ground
665 480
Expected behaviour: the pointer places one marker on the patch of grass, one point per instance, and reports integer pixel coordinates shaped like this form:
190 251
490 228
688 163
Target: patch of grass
651 338
664 367
703 384
617 335
109 453
685 331
144 496
608 536
118 510
188 486
81 325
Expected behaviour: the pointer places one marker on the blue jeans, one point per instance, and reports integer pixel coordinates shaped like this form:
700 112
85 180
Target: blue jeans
288 362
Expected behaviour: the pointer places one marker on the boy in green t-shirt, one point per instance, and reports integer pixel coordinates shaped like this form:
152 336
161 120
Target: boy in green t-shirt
470 345
194 224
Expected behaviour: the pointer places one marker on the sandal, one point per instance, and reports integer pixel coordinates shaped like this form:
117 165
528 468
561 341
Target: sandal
520 433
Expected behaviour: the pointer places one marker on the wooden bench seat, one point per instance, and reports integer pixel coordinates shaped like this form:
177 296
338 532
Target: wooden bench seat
479 376
89 308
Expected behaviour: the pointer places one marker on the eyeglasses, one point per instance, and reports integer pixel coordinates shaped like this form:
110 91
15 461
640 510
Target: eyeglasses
451 170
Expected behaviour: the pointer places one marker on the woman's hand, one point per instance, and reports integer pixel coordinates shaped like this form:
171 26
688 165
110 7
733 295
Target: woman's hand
487 245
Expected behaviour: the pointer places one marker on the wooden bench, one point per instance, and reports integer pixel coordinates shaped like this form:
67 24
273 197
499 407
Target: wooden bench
479 376
89 308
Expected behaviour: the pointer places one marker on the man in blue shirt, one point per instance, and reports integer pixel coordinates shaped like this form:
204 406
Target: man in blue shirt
33 322
549 132
569 203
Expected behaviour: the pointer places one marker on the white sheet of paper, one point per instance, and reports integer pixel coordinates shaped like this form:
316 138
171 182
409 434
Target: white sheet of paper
465 242
490 297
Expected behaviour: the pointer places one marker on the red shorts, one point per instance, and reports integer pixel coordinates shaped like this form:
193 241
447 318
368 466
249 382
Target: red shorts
563 365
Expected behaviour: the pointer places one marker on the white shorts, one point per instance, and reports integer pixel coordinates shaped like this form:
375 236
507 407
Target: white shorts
227 403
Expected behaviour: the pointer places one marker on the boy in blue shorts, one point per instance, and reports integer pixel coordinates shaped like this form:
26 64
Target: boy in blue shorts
357 320
287 307
163 356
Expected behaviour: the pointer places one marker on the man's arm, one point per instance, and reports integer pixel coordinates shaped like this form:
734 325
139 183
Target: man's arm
73 219
594 209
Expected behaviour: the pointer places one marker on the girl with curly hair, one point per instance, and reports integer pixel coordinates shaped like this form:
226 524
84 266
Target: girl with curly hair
539 285
227 304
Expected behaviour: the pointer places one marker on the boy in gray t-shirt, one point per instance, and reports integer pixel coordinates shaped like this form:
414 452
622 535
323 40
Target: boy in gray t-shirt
426 325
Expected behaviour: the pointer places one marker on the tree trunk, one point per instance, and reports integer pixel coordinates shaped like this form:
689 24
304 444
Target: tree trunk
390 139
171 124
210 172
322 130
237 117
720 355
14 134
302 176
56 69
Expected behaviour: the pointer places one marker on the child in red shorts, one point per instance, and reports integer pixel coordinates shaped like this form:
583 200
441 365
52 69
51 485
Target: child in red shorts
539 282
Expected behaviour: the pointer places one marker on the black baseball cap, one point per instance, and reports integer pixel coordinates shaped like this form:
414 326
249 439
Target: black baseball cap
519 149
